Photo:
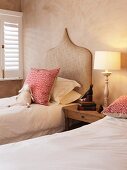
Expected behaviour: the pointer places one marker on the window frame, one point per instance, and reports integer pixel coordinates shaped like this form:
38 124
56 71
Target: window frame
7 15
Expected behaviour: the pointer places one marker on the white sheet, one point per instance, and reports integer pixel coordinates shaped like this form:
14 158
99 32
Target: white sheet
19 122
99 146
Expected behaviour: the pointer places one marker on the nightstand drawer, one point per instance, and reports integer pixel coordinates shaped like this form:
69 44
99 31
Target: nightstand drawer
76 116
81 117
87 116
72 112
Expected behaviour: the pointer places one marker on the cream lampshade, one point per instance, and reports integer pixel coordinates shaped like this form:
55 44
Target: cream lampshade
107 60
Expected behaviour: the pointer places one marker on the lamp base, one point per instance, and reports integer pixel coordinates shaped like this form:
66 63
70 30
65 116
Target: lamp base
106 89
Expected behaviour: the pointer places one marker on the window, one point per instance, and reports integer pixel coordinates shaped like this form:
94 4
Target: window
10 45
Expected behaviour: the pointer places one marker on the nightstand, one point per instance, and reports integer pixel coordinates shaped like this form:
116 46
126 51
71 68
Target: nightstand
71 112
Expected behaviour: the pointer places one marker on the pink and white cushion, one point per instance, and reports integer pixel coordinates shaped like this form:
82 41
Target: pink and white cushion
118 108
40 82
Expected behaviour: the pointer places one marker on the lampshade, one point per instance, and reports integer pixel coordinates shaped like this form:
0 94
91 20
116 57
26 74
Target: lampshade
107 60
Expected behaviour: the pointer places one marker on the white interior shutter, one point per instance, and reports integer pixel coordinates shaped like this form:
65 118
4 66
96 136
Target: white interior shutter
1 51
11 44
11 50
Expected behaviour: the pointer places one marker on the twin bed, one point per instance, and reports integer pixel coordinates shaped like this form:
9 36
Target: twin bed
20 123
101 145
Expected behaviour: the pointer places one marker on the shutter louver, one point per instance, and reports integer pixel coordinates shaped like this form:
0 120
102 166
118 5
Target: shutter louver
11 49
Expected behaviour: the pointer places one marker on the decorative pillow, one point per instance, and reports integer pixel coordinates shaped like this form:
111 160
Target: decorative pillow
70 97
62 87
40 82
118 108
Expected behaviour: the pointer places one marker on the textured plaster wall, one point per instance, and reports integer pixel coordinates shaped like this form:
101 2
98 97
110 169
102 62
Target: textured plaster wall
94 24
10 88
14 5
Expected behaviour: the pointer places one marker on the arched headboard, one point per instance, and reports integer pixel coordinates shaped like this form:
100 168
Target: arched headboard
74 62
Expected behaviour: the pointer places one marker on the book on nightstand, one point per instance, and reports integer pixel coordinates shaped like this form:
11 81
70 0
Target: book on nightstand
87 106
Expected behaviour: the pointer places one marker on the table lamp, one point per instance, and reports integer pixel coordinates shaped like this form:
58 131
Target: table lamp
107 60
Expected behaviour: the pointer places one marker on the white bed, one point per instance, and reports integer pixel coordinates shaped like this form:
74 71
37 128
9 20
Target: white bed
19 122
99 146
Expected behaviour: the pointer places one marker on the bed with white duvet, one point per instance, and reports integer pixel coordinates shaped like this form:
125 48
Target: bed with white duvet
99 146
21 122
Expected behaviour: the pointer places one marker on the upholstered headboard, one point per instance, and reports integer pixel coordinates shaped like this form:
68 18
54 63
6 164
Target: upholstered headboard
74 62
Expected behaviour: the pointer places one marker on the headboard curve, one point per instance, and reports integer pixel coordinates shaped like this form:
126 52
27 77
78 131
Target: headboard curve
74 62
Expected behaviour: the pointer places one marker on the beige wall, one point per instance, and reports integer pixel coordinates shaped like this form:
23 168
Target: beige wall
94 24
10 88
14 5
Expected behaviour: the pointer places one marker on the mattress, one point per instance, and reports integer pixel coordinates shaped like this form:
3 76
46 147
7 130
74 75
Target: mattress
99 146
19 122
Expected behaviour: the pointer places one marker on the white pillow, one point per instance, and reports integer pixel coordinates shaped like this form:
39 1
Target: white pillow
70 97
62 87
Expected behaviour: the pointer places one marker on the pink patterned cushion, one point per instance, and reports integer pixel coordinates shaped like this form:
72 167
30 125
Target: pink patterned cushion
40 82
118 108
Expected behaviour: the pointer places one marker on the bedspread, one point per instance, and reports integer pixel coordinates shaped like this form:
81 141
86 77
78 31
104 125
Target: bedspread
99 146
19 122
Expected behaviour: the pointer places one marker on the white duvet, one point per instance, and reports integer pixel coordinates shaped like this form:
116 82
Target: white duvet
19 122
99 146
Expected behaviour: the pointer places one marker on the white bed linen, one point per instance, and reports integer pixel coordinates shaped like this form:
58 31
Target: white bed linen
99 146
19 122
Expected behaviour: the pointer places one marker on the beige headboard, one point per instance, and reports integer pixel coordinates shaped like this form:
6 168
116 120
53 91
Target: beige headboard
74 62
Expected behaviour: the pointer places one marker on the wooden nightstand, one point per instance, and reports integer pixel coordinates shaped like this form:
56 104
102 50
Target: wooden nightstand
71 112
